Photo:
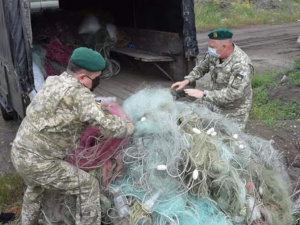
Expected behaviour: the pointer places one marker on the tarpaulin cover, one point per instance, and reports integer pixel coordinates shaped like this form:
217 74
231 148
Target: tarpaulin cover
189 30
16 20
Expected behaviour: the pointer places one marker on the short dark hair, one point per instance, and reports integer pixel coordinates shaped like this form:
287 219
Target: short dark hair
73 68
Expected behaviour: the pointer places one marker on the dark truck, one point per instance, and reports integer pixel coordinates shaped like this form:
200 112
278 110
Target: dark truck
163 33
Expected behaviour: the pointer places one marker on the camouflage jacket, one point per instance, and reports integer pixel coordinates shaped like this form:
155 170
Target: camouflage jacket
57 116
231 90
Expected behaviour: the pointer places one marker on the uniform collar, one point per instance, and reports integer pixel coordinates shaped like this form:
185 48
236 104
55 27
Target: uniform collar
69 78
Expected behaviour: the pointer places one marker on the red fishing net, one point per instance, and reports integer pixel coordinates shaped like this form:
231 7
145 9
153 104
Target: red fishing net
96 151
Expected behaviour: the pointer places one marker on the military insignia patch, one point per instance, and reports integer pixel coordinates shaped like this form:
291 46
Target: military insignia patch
97 102
237 81
240 76
215 34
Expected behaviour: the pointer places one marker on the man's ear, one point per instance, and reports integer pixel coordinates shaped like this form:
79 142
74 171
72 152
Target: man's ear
80 76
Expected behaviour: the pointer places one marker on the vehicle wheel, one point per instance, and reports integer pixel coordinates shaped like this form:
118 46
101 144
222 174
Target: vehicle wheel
7 116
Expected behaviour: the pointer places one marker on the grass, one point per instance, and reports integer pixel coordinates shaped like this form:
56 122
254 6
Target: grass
212 14
294 75
271 111
297 219
11 190
267 80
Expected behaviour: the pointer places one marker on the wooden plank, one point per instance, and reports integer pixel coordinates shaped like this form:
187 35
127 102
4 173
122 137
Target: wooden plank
126 84
159 43
142 55
99 91
129 82
156 41
134 80
110 87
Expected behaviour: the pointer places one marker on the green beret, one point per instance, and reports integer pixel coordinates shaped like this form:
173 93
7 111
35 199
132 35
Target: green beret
88 59
220 34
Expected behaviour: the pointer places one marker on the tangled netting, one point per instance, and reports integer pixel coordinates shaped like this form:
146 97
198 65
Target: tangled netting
183 165
60 34
187 165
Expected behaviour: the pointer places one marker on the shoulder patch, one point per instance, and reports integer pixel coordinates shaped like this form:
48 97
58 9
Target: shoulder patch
237 81
240 76
97 102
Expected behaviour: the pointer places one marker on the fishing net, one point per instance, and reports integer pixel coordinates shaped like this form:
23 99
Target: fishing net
188 165
183 165
64 31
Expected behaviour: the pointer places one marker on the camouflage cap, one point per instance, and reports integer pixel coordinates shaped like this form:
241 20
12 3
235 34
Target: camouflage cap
88 59
220 34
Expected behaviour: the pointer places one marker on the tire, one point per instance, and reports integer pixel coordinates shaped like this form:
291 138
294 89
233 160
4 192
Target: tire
7 116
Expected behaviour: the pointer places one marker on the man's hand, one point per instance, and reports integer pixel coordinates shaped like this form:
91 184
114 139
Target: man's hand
194 93
180 85
131 127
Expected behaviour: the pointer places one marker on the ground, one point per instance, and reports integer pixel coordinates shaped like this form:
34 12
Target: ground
271 48
7 133
285 137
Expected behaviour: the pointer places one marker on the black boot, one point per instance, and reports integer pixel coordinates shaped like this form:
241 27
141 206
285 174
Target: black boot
6 217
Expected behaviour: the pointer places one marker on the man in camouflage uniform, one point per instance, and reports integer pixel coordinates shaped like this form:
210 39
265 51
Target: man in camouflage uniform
231 72
55 119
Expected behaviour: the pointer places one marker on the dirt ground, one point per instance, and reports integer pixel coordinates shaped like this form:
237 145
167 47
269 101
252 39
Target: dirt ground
271 48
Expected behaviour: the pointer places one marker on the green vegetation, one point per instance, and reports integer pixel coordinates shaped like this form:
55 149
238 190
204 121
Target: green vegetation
211 14
294 75
297 218
11 189
271 111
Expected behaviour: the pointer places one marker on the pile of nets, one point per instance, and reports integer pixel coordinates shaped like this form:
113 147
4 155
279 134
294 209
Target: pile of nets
183 165
187 165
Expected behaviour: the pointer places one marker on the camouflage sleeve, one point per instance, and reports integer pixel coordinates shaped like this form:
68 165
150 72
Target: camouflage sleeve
201 68
91 112
240 79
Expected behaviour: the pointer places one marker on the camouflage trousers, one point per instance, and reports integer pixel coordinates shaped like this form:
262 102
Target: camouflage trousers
40 175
